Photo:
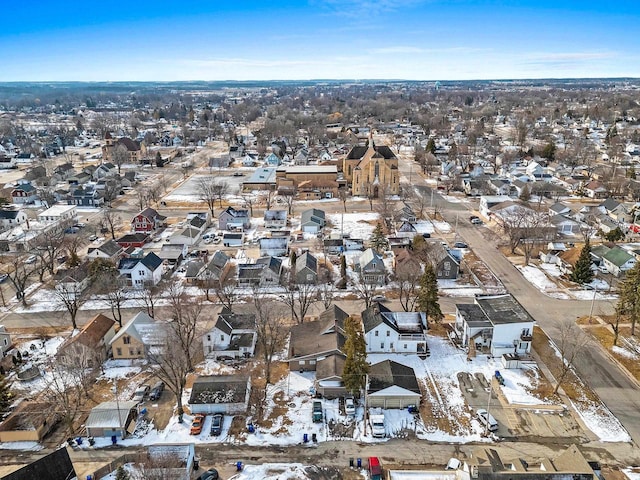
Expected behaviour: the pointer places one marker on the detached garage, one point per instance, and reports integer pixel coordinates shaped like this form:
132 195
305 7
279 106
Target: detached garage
392 385
228 394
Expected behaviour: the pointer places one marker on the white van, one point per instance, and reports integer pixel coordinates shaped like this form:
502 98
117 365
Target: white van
487 420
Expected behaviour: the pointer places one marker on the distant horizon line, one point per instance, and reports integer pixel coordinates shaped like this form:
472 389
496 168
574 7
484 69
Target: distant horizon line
318 80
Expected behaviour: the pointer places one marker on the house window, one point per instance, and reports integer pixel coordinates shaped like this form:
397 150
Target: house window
119 352
376 333
523 346
222 338
382 345
131 352
391 345
447 265
405 346
312 362
301 362
141 273
208 338
126 340
139 351
388 333
210 349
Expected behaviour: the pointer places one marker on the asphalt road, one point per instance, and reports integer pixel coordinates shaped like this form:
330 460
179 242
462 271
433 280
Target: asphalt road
618 392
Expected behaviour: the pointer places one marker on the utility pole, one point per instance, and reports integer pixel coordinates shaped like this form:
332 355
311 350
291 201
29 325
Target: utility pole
486 425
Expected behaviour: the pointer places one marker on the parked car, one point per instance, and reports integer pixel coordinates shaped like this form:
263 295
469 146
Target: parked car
31 259
460 245
379 298
317 411
93 238
71 230
476 221
3 277
197 424
216 424
211 474
487 420
156 391
349 406
141 392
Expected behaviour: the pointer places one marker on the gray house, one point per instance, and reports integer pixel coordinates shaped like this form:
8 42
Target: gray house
312 220
232 239
227 394
275 219
265 272
306 269
234 219
445 265
371 268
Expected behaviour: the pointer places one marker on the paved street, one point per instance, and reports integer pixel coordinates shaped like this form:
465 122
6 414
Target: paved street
618 392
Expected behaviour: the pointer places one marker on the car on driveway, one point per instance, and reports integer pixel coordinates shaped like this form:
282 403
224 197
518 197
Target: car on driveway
460 245
349 406
476 221
3 277
197 424
216 424
141 392
379 298
211 474
31 259
156 391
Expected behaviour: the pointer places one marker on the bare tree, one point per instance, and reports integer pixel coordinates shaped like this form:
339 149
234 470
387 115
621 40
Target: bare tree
210 190
524 228
272 331
268 196
225 288
119 156
343 195
408 279
299 298
571 341
69 294
47 248
365 290
111 220
109 284
149 296
172 366
19 272
185 313
326 293
64 393
248 200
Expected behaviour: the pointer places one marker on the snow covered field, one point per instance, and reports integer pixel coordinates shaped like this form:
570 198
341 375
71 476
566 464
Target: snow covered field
358 225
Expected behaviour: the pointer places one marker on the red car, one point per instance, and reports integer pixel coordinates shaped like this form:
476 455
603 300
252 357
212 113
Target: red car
197 424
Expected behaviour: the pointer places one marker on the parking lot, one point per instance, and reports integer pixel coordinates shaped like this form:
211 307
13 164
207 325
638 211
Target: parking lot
548 421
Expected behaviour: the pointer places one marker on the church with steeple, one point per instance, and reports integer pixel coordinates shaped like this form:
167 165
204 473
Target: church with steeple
372 170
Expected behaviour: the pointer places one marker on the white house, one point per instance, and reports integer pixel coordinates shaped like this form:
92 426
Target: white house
275 219
274 247
10 217
497 324
234 335
618 260
5 340
59 213
141 271
488 201
395 332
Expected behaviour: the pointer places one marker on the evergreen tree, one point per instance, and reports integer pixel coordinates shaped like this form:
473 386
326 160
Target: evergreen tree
343 273
428 295
5 394
549 151
582 272
122 474
355 365
431 146
292 259
629 297
378 240
525 194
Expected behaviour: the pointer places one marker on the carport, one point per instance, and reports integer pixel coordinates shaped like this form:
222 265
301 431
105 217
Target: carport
393 397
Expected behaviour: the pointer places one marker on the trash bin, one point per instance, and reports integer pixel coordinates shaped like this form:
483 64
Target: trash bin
305 437
89 477
359 463
251 428
79 440
92 441
196 463
114 439
350 462
238 466
314 438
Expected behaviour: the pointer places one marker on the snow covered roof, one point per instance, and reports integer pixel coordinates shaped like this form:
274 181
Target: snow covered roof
106 414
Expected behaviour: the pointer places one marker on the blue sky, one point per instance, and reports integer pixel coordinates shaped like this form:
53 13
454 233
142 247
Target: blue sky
142 40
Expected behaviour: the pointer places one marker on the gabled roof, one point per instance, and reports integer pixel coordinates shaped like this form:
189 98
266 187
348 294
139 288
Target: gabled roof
306 260
275 215
368 256
110 414
54 466
229 321
617 256
323 335
151 214
151 261
110 248
133 238
235 213
8 214
313 215
388 373
92 333
272 263
143 328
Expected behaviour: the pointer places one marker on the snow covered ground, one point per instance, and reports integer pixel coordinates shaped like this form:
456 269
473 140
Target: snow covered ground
358 225
537 278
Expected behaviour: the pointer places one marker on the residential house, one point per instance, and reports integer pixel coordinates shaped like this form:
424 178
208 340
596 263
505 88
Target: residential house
500 186
79 178
261 179
91 347
275 219
228 394
565 225
24 193
232 239
617 261
136 240
234 219
63 172
497 324
148 220
70 283
5 340
392 385
137 337
317 346
7 162
618 212
595 189
406 230
444 264
405 263
186 236
266 272
85 196
371 268
105 170
216 269
233 336
274 247
59 214
306 269
10 217
139 272
487 202
199 220
171 461
109 250
111 419
312 220
135 150
333 246
395 332
272 160
559 208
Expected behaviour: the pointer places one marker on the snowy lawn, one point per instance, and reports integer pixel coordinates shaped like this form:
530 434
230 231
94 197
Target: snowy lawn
357 225
537 278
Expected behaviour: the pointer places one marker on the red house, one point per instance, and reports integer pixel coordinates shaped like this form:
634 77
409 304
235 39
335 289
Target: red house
132 240
147 220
